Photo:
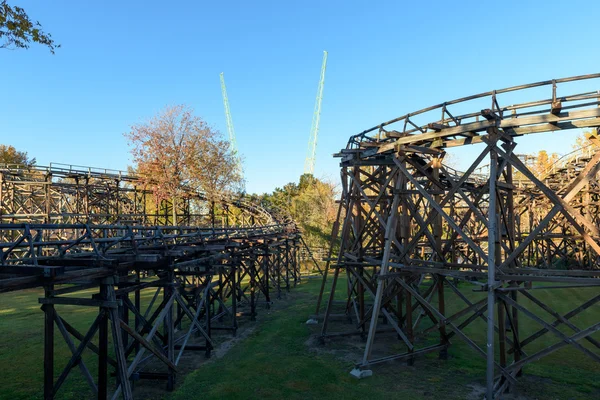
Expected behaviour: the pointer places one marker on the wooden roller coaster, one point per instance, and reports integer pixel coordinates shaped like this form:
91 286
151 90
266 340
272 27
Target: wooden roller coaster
416 236
162 280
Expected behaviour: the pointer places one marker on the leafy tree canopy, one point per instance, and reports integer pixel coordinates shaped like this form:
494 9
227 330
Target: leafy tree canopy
311 202
176 151
17 30
10 155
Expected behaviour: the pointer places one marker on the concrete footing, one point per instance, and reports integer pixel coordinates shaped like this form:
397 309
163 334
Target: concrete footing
361 373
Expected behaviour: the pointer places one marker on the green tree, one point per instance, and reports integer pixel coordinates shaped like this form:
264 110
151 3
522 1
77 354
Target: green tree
311 203
17 30
10 155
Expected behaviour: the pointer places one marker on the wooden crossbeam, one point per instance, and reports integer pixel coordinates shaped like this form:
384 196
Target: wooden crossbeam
568 118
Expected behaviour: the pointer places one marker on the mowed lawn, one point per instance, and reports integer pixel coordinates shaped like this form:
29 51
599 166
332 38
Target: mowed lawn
276 362
22 345
279 358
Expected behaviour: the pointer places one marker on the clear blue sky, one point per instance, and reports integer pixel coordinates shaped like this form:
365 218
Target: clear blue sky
122 61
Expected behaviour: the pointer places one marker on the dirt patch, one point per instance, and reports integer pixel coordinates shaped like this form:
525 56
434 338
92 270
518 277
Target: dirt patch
478 393
430 376
225 346
349 351
350 348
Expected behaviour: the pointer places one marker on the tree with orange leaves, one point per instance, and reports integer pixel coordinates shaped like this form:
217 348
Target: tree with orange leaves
177 151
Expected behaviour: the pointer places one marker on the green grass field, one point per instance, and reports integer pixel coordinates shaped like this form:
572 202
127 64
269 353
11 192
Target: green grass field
278 360
21 348
276 363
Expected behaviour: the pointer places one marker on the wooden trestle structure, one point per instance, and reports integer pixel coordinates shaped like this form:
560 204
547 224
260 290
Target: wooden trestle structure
88 238
416 236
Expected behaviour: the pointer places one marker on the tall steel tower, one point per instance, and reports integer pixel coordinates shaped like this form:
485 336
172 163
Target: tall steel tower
309 163
232 141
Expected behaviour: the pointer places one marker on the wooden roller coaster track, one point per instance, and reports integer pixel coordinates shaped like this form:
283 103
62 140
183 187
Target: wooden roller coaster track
415 235
95 238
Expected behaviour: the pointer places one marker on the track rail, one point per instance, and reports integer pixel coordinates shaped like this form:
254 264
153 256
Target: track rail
92 237
439 126
410 228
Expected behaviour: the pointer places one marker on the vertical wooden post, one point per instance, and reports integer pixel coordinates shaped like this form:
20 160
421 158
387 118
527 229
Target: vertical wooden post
103 354
390 235
174 210
442 309
437 236
1 197
266 275
124 315
277 265
515 331
119 344
361 301
166 210
501 334
287 265
359 223
117 217
512 229
491 296
169 291
208 315
409 322
221 293
252 269
49 316
48 198
530 220
138 306
234 294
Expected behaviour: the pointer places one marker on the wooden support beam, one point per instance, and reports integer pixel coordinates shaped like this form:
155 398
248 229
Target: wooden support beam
490 115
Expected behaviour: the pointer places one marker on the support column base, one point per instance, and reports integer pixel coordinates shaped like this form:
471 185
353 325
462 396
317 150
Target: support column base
361 373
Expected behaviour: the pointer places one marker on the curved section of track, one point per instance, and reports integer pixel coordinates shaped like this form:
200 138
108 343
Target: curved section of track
414 233
94 238
466 120
76 194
